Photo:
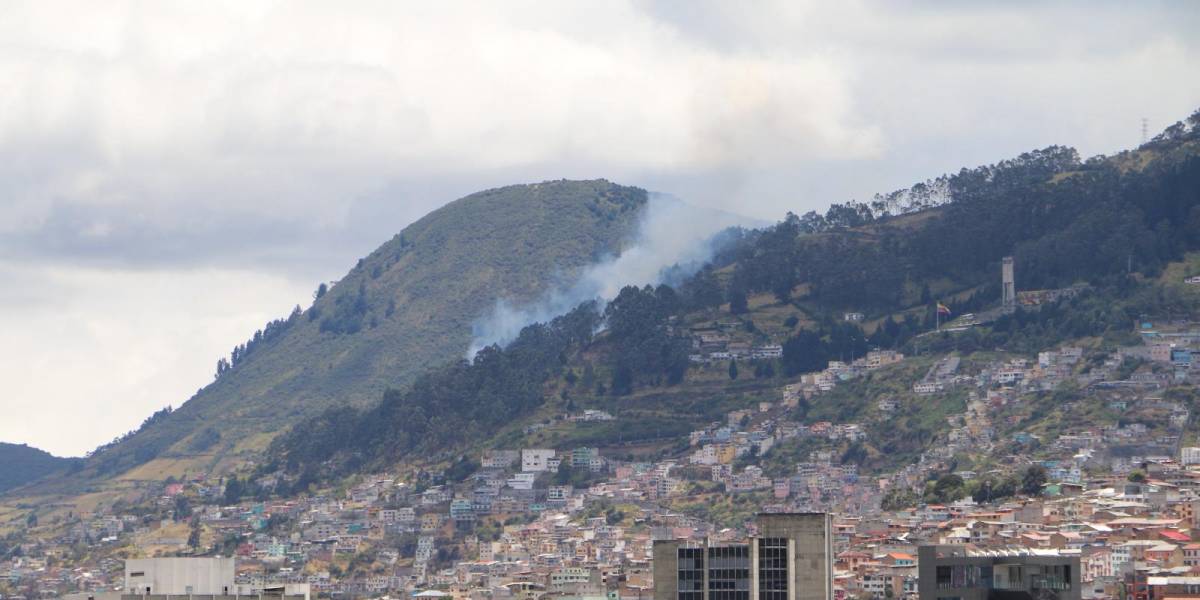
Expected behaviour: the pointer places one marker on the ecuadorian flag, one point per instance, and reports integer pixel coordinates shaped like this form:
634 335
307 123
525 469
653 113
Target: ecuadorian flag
942 309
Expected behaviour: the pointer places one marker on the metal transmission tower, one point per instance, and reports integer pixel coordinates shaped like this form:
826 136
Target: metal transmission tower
1145 130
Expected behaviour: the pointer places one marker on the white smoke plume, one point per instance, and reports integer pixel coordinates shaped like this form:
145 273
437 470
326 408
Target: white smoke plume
671 232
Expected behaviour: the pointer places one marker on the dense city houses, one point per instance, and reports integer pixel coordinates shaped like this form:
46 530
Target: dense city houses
767 502
1109 510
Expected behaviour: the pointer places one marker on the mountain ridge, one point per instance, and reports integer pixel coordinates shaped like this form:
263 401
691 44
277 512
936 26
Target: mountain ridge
400 310
814 267
21 464
856 256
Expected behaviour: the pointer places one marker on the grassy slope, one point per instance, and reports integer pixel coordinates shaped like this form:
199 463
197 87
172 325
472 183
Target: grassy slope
442 272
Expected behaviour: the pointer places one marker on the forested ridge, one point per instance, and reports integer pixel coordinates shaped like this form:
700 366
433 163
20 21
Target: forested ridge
1099 221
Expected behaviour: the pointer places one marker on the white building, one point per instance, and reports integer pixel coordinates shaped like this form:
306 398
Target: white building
179 576
1189 455
536 460
499 459
522 481
925 388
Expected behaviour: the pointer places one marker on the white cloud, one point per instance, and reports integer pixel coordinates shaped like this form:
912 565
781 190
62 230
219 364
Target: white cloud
291 104
91 352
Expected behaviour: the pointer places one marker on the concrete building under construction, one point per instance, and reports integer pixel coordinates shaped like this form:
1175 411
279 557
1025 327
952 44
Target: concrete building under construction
191 578
949 572
789 558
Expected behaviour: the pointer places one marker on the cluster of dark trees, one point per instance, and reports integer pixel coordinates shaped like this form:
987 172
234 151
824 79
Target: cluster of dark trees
641 342
811 349
1062 219
349 312
262 337
443 409
236 489
949 488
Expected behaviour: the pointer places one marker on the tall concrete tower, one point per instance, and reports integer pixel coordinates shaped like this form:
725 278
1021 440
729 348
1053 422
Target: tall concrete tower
1010 286
791 558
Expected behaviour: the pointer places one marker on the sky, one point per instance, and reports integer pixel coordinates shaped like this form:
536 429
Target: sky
175 174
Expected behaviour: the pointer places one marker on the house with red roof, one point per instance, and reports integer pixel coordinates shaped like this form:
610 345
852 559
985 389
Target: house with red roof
1174 536
899 559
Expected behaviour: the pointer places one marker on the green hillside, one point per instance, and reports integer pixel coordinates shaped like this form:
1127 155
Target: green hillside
1067 222
370 377
21 464
404 308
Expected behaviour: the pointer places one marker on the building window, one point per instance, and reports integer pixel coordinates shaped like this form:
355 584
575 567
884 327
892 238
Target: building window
1052 577
691 574
952 577
772 569
729 573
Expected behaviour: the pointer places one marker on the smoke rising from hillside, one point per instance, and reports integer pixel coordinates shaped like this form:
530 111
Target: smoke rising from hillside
671 232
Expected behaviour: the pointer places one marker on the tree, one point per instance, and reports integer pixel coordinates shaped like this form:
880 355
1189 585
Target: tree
764 369
613 516
983 491
622 381
1033 479
638 326
896 499
803 353
737 302
462 468
182 509
193 540
733 371
233 490
948 488
1137 477
702 290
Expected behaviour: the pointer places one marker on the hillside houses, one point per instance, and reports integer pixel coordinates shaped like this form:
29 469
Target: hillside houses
1121 494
